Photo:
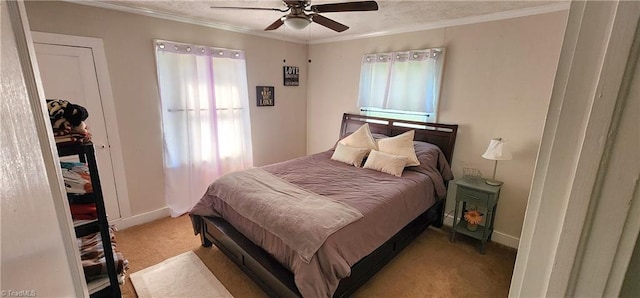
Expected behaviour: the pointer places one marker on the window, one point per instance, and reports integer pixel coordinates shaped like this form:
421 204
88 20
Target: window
205 118
404 85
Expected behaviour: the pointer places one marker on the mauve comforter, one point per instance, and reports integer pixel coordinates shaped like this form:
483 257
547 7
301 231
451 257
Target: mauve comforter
388 203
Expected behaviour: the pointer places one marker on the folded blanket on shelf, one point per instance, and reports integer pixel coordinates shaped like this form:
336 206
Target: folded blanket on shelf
73 137
83 211
77 179
67 121
93 259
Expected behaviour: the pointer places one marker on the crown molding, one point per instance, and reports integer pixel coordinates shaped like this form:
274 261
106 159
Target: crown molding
182 19
455 22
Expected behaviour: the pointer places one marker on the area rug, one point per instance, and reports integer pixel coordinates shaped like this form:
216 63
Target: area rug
180 276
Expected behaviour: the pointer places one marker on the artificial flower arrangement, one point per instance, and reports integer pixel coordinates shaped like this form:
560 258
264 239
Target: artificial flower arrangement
473 218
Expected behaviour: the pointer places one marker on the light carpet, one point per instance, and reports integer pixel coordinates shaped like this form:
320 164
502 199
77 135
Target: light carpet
180 276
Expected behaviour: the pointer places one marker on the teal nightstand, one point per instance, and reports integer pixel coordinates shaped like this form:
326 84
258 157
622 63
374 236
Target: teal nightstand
475 193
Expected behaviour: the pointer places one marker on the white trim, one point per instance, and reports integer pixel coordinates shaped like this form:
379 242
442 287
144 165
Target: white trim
178 18
611 226
139 219
434 25
108 106
35 92
497 237
581 219
454 22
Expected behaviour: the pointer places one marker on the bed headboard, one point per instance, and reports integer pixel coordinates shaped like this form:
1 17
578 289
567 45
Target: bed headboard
441 135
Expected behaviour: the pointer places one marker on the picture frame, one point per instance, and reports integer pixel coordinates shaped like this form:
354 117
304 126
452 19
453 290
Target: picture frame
291 75
265 96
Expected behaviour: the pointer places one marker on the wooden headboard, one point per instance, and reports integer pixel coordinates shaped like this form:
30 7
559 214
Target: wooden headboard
441 135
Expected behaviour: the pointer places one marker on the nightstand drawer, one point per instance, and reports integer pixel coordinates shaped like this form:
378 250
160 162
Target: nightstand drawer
469 195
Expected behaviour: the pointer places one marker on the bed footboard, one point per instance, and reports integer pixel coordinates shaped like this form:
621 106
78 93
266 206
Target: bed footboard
260 266
277 281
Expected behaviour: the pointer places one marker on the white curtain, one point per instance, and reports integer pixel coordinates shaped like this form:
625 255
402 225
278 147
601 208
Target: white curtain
403 81
205 118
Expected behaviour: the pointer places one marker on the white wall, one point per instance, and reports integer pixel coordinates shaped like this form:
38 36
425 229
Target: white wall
497 83
278 133
38 254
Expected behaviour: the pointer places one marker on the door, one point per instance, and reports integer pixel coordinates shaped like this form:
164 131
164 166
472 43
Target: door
69 72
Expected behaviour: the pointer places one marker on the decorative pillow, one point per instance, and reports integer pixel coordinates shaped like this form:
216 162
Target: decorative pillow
350 155
360 138
400 145
378 136
386 163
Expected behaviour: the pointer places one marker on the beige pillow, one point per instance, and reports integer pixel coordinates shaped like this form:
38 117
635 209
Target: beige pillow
386 163
400 145
360 138
350 155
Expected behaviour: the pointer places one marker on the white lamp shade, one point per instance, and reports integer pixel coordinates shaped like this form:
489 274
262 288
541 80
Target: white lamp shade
296 22
497 150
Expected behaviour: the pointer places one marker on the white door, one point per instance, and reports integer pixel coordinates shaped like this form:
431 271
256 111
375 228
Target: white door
69 72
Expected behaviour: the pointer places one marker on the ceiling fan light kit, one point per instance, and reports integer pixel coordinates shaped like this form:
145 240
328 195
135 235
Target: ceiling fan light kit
297 22
302 13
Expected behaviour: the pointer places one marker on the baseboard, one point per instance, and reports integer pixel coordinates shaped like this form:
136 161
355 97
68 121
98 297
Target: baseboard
497 237
139 219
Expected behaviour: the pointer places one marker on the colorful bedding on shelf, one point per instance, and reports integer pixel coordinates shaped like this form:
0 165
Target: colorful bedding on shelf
67 122
83 211
77 179
93 258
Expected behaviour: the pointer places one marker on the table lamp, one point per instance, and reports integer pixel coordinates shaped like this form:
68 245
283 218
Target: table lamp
496 151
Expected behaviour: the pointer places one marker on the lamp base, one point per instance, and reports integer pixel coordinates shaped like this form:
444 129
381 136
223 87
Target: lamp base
493 182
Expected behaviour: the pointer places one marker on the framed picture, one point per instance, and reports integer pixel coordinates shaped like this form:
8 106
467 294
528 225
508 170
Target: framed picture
265 96
291 75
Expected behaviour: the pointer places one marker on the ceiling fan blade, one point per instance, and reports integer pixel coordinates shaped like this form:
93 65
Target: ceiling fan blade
329 23
275 25
251 8
345 6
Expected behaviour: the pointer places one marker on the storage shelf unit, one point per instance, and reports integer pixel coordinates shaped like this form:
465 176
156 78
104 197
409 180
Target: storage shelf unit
107 286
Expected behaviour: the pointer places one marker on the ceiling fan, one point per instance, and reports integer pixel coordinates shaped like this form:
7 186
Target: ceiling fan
302 13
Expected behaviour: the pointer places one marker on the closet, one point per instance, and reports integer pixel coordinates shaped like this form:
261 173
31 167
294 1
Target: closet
95 237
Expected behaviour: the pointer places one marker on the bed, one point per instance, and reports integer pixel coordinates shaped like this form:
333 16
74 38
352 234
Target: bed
394 212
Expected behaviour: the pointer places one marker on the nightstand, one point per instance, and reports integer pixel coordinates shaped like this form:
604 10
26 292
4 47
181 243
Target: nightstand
475 193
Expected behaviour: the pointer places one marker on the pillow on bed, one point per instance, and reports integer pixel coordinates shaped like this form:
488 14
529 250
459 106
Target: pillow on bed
350 155
386 163
378 136
400 145
360 138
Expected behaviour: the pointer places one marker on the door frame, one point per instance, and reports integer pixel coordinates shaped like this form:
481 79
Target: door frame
33 90
108 106
580 228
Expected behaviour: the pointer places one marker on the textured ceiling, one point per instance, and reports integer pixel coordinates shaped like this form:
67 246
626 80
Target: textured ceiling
391 16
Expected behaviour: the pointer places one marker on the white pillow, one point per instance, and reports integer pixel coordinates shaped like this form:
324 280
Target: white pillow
360 138
350 155
400 145
386 163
